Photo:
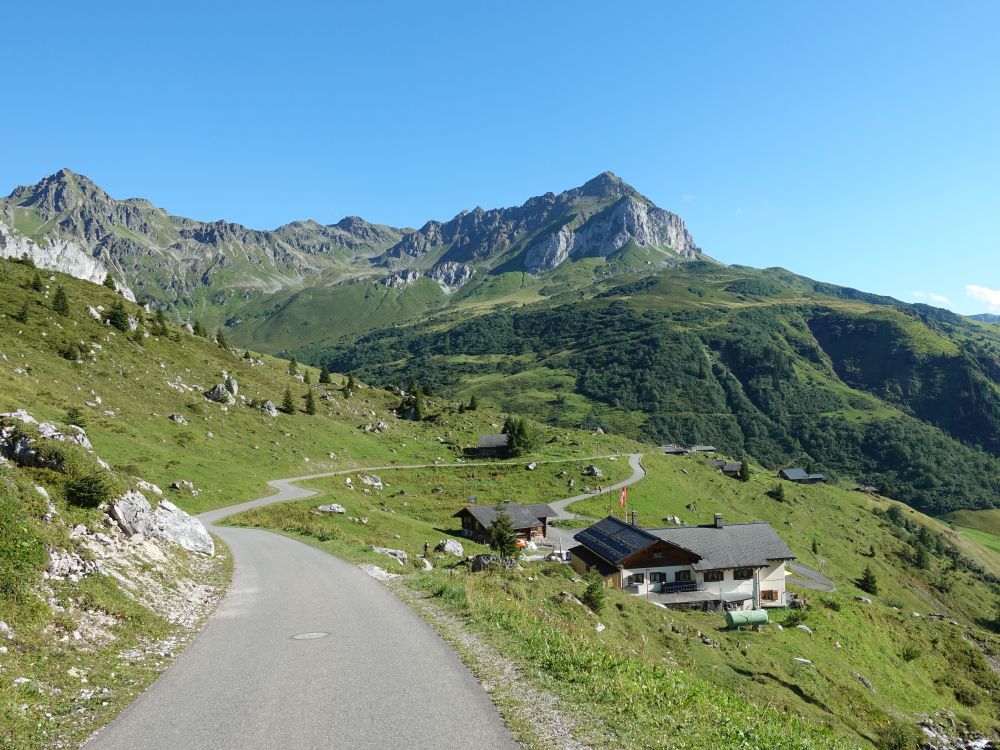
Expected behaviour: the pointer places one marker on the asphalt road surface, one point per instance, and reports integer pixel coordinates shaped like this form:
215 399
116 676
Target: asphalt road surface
308 652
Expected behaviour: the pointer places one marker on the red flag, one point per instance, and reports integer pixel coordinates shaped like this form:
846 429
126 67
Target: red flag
621 503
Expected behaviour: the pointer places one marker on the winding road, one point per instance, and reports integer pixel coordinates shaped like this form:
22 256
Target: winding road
306 651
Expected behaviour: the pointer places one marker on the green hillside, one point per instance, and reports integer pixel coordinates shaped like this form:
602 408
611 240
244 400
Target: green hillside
760 362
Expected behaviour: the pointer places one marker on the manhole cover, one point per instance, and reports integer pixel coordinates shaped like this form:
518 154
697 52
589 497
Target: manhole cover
308 636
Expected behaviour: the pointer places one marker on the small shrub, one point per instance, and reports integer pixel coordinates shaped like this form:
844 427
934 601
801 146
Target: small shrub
896 736
795 617
830 603
75 415
909 653
88 490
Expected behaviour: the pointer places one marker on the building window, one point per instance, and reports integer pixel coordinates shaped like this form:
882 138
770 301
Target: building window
714 576
637 578
743 574
682 576
769 595
655 577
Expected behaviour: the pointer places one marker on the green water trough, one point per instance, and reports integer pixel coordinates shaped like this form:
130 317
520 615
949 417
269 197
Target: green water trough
746 617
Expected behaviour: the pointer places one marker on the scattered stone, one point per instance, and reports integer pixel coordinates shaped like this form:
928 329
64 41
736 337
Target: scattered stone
568 597
184 486
220 394
426 563
778 626
397 554
805 629
6 631
865 681
372 481
450 547
802 660
379 574
63 565
600 627
332 508
178 418
437 490
143 485
269 408
863 599
593 471
532 466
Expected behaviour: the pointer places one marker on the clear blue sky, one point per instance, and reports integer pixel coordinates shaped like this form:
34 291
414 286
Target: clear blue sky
854 142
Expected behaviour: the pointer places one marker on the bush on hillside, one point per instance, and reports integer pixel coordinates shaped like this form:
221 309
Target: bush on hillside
88 490
593 595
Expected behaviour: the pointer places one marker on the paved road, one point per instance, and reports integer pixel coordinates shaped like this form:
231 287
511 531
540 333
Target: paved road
381 678
563 537
808 578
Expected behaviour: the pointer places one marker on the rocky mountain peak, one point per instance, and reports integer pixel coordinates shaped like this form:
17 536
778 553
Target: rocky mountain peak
607 185
58 192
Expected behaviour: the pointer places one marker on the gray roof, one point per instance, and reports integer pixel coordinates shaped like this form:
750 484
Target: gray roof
736 545
500 440
521 516
614 540
793 474
703 448
673 449
727 467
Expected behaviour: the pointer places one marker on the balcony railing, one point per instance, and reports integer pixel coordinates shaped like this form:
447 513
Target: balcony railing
680 587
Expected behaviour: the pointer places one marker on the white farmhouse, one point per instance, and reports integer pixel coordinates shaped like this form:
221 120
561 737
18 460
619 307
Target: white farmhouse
689 566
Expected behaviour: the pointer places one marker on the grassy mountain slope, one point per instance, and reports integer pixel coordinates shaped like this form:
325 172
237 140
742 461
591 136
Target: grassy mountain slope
763 362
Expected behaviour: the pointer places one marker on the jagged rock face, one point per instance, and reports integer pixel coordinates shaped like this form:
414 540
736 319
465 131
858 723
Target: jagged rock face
451 275
60 255
400 279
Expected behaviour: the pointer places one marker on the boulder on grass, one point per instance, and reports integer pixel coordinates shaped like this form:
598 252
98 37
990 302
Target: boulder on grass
450 547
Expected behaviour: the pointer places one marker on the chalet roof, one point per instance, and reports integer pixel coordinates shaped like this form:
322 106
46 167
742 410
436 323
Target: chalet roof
521 516
797 475
614 540
735 545
727 467
703 448
674 450
500 440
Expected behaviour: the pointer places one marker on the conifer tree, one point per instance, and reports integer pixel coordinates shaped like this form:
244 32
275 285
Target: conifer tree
418 406
36 282
868 582
21 316
220 339
593 595
306 377
60 303
473 402
744 470
503 540
920 558
288 402
246 354
199 329
117 316
310 402
293 367
109 282
160 323
324 376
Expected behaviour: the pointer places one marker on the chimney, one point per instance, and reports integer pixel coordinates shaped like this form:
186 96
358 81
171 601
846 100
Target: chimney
718 520
635 521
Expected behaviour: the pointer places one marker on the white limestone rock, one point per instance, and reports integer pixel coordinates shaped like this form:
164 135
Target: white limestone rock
135 516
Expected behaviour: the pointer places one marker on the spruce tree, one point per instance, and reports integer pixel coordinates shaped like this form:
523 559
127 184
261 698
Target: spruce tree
199 329
868 582
220 339
310 402
293 367
36 282
288 402
745 471
21 316
815 546
593 595
920 558
246 354
160 323
109 282
324 376
473 402
60 303
503 540
117 316
418 406
306 377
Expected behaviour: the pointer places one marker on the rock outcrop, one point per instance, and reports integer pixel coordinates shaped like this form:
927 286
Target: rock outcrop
135 515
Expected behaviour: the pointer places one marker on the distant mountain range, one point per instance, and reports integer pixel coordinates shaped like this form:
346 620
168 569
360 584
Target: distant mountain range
68 223
986 318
